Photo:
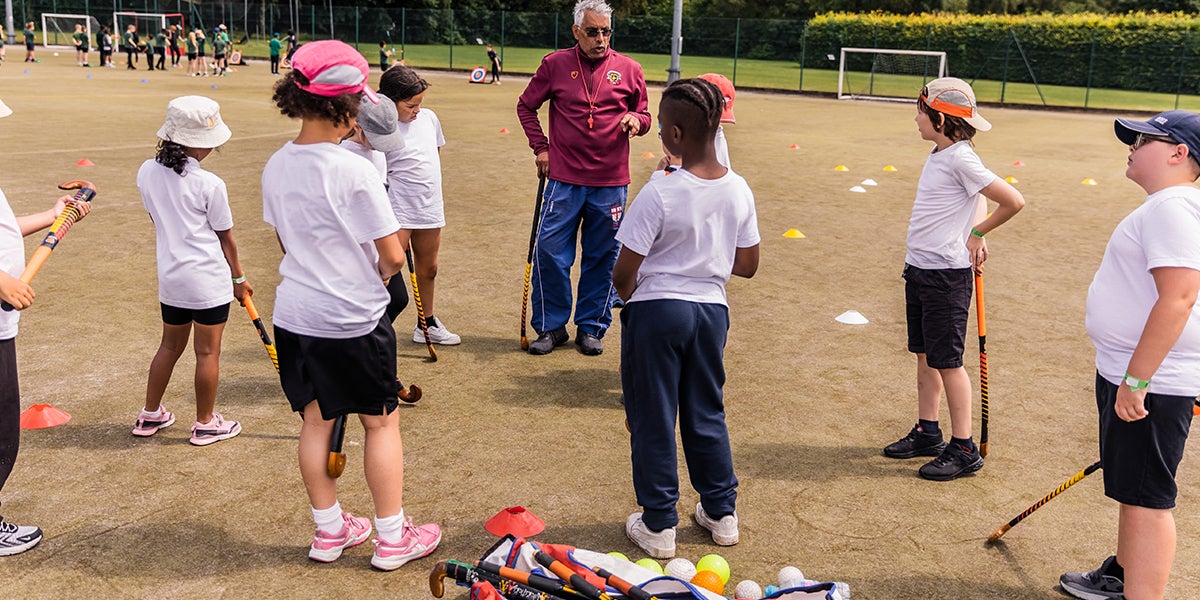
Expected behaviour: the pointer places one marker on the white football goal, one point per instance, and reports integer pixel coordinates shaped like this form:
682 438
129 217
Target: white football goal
887 74
58 30
148 24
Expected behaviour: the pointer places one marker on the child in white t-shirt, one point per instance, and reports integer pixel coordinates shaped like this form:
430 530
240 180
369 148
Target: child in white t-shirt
198 269
415 190
944 253
669 162
337 349
681 240
15 539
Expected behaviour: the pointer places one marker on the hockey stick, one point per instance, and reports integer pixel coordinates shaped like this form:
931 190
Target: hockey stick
412 275
627 589
578 583
262 332
537 215
1092 468
543 584
983 369
58 229
466 575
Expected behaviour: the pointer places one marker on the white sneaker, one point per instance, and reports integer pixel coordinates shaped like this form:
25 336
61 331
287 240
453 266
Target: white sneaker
659 544
438 334
724 530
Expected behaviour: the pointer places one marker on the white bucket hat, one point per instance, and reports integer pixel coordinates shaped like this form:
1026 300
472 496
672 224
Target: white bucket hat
4 109
194 122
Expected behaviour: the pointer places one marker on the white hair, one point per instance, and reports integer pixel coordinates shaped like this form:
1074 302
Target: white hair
600 7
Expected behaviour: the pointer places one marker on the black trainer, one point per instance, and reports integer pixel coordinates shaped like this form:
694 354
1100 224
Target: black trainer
548 341
953 462
916 443
589 344
1094 585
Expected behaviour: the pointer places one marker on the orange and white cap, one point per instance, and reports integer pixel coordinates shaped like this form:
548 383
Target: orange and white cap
726 86
953 96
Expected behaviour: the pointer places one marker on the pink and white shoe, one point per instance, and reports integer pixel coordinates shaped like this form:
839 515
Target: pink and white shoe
214 431
416 541
148 424
328 547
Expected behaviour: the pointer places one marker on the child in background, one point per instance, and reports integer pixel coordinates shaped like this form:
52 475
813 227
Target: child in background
376 131
15 539
30 38
337 349
192 47
201 61
944 252
81 46
676 318
415 190
129 43
218 54
198 269
1143 319
385 56
276 46
160 49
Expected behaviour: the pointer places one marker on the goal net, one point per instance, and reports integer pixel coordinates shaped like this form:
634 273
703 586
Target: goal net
148 24
884 74
58 30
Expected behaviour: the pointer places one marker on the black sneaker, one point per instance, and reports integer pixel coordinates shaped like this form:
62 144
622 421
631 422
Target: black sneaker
548 341
15 539
916 443
1094 585
589 344
953 462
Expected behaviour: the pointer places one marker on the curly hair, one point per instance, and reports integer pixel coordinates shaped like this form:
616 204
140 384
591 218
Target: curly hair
703 102
172 155
298 104
401 83
955 128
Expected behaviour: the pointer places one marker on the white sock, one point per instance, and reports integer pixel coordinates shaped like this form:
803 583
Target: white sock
390 529
329 520
157 413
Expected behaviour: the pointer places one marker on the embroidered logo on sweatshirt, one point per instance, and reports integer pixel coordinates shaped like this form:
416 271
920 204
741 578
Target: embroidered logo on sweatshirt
613 77
574 74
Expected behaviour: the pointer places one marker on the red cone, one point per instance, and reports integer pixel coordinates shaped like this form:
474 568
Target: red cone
83 162
515 520
41 416
503 130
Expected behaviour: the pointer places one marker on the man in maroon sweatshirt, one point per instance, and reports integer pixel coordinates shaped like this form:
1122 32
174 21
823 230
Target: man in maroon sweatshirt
597 103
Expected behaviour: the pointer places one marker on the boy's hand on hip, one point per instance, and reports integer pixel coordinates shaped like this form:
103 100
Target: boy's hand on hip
1130 405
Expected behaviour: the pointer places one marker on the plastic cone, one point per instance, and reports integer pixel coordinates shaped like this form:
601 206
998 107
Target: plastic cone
890 169
1018 164
858 189
41 416
503 130
841 168
83 162
794 234
794 147
647 155
869 182
1010 179
1088 181
851 317
515 520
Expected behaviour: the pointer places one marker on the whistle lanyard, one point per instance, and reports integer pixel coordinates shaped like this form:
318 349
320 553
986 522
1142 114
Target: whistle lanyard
588 94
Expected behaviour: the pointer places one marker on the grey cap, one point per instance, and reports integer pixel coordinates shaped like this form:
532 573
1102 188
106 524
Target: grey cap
379 124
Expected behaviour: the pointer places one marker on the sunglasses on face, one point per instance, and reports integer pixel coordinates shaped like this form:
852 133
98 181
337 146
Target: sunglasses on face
1145 138
598 31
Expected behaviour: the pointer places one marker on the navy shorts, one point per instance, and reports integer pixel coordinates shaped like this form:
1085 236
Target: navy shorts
1140 458
173 315
937 303
354 375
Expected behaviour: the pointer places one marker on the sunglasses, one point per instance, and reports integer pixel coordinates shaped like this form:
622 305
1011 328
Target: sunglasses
598 31
1145 138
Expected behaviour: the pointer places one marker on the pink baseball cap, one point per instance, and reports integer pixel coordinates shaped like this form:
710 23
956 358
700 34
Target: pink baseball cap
333 68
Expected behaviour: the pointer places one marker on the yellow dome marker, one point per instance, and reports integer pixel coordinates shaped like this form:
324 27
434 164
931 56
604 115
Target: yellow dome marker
890 169
1088 181
841 168
794 234
1010 179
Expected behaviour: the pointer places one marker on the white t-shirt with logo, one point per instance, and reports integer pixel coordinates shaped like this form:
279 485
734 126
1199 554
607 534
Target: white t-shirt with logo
945 208
689 230
1163 232
414 173
328 206
187 212
12 261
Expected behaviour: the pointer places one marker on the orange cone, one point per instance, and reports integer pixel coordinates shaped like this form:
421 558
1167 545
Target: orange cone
503 130
647 155
83 162
794 147
41 416
515 520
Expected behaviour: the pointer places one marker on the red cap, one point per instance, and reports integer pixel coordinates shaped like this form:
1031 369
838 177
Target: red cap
726 86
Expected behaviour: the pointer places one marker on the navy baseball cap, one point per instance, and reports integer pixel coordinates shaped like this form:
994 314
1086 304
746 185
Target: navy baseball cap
1180 125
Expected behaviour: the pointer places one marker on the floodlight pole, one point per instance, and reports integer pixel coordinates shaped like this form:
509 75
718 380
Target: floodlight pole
10 34
676 41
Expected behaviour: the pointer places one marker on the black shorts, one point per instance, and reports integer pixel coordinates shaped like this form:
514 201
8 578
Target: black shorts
173 315
1140 458
219 56
191 56
937 303
29 46
355 375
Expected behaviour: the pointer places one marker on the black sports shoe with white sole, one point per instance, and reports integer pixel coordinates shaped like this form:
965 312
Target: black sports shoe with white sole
1094 585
